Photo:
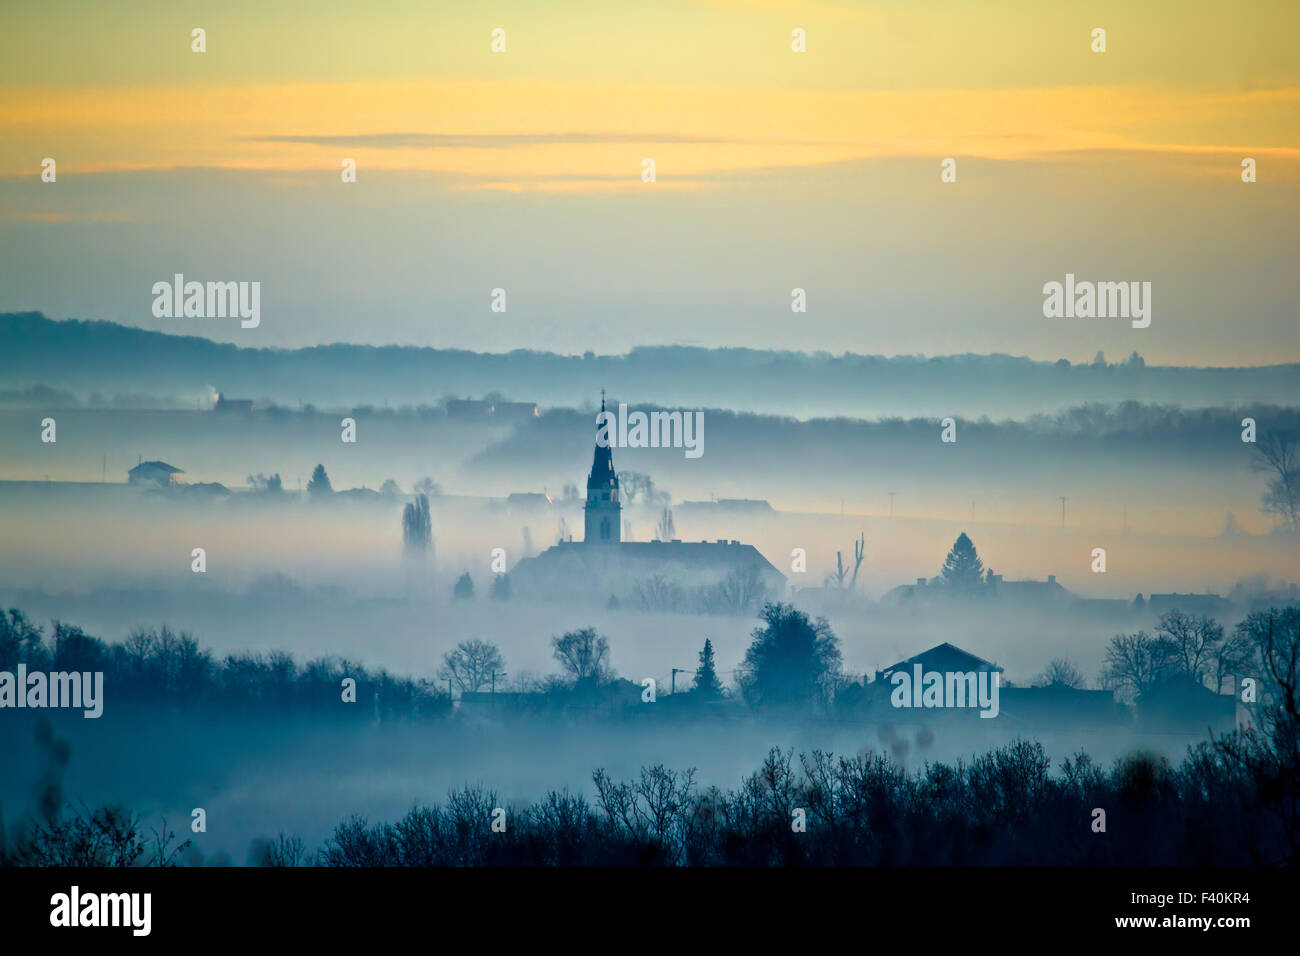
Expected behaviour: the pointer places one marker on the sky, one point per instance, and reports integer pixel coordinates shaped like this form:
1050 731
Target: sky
775 170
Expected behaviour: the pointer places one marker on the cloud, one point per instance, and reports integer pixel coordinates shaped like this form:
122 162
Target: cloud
509 140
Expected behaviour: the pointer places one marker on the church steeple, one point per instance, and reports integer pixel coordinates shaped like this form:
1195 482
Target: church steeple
603 518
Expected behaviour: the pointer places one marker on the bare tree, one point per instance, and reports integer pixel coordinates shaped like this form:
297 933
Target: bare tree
1193 638
1061 673
633 485
269 484
583 654
427 486
741 591
471 665
1137 662
1232 657
658 593
1277 454
841 572
1270 754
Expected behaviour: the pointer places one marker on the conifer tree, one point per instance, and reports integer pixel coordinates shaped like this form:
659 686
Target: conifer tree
319 486
962 569
706 683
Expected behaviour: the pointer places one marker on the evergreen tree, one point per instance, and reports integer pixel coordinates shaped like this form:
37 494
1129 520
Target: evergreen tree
319 486
464 587
962 569
501 588
706 683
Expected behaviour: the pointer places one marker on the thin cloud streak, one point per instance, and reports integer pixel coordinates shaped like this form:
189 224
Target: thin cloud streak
510 140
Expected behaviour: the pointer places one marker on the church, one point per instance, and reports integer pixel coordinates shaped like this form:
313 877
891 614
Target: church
719 576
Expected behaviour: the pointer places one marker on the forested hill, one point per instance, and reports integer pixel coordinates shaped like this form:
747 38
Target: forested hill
85 357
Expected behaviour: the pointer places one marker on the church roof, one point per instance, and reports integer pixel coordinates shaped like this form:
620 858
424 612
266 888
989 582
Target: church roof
634 556
602 465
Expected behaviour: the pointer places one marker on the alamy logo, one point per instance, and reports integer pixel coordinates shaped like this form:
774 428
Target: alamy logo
656 430
56 689
946 689
211 300
1098 300
103 909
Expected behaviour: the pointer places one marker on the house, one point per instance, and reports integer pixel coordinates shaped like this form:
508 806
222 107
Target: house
610 699
875 697
1182 704
1210 604
515 411
529 502
904 593
233 405
995 586
943 657
1058 707
500 705
154 474
728 506
1028 591
203 489
478 410
468 410
361 495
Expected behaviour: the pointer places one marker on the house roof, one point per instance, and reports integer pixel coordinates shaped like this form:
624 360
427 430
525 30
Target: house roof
528 498
161 465
944 656
1181 687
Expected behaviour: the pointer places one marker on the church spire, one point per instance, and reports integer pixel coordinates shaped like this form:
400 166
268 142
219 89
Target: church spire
604 511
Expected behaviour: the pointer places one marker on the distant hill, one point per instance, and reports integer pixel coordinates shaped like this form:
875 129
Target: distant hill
84 357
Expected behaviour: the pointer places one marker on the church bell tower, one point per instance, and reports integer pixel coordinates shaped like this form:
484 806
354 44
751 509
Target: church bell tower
604 513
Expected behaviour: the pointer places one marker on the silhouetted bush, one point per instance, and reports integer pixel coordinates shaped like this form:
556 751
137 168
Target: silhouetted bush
164 666
1003 808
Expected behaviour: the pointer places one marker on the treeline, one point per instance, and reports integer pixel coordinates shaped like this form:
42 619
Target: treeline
162 666
1129 430
1003 808
1233 800
104 355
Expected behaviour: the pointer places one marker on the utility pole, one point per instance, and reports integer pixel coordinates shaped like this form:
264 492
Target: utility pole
891 504
1062 512
676 671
